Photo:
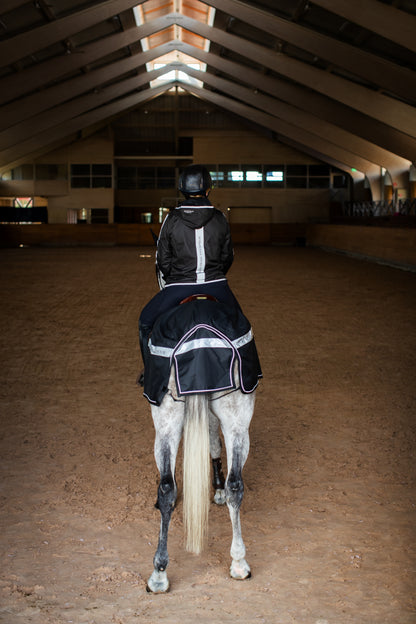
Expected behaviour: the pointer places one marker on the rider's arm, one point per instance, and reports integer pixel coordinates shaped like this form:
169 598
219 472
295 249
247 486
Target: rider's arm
227 255
163 253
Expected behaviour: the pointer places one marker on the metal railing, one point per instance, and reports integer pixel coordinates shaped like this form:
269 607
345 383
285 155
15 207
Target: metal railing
381 208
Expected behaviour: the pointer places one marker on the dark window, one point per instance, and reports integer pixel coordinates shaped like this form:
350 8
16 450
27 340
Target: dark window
24 172
319 170
91 176
296 170
185 146
101 182
80 170
166 177
80 182
146 177
319 182
51 172
99 215
296 182
340 181
101 170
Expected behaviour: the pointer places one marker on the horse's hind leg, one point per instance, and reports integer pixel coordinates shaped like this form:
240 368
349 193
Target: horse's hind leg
218 480
234 491
235 412
168 421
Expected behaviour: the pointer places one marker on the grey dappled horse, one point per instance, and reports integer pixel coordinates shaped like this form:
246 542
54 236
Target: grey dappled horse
198 417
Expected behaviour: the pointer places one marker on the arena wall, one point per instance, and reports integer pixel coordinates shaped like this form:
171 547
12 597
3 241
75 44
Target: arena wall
395 246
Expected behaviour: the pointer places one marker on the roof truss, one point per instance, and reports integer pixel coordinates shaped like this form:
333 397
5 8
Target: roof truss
324 77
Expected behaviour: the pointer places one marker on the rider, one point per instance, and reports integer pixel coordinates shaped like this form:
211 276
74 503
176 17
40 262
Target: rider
194 253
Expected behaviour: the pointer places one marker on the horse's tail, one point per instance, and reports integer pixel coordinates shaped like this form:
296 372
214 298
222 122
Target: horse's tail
196 472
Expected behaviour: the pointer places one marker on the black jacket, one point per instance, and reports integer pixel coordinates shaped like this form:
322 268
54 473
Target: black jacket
194 244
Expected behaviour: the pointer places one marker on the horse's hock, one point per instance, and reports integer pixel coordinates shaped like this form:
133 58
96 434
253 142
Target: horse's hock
328 511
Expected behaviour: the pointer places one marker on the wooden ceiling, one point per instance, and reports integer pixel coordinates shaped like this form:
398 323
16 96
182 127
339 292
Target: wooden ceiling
333 78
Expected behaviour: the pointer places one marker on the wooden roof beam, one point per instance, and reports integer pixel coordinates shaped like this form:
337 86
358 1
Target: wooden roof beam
26 43
378 71
10 5
381 107
35 77
280 126
313 102
52 117
27 107
43 140
387 21
303 120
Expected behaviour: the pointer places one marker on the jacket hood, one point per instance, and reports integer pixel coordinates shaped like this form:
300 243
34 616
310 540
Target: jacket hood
195 211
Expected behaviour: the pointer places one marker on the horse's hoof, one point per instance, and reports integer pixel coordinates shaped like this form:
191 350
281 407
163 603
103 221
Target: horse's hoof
240 570
219 498
158 583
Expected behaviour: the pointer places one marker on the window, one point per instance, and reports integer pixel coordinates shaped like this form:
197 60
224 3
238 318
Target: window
127 178
23 202
51 172
24 172
319 176
91 176
340 181
130 178
296 182
296 170
319 182
145 177
296 176
253 175
99 215
319 170
217 177
274 176
228 176
165 177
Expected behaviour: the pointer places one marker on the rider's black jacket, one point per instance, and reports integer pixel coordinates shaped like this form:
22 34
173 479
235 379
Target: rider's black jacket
194 245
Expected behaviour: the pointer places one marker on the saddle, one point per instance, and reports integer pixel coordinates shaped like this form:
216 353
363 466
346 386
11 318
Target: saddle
201 297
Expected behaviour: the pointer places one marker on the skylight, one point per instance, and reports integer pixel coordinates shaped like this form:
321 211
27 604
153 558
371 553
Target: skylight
176 61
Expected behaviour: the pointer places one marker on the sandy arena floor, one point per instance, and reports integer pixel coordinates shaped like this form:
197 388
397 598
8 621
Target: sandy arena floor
329 510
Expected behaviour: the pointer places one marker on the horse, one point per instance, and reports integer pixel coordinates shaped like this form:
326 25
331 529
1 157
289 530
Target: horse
199 417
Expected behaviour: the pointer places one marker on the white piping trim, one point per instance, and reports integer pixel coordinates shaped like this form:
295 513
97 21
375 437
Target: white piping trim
201 343
221 279
192 207
200 255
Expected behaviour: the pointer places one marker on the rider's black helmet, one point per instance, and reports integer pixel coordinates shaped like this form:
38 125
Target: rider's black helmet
195 180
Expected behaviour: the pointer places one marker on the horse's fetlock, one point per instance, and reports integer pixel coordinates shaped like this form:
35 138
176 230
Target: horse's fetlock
166 487
166 498
161 562
218 475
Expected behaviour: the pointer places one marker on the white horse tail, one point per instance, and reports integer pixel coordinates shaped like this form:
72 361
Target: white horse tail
196 472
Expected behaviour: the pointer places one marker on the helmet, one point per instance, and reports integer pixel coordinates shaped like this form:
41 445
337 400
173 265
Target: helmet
194 180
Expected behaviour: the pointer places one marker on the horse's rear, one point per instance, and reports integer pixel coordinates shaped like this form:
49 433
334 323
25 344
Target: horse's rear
224 398
199 417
